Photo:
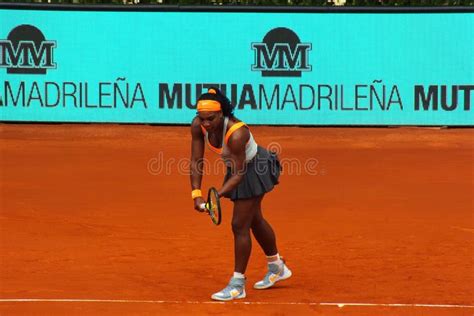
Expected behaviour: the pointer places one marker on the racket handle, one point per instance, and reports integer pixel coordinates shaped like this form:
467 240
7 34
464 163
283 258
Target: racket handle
202 206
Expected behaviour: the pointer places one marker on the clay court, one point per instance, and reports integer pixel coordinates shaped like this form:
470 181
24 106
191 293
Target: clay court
98 220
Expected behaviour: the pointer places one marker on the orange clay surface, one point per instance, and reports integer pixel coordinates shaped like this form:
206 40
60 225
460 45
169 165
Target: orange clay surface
362 215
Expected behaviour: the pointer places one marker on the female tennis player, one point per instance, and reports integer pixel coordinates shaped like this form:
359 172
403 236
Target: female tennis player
252 171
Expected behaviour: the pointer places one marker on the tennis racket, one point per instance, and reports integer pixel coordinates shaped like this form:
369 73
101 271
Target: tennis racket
213 206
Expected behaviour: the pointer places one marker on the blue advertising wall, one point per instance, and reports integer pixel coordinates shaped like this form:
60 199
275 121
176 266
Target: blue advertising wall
310 68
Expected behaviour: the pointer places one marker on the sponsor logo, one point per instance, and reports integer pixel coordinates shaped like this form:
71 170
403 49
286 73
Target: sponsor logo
281 54
26 51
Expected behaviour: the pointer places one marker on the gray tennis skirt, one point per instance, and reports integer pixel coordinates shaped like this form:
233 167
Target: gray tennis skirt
261 175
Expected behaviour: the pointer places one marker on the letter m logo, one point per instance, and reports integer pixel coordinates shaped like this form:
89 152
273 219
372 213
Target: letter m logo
27 57
281 58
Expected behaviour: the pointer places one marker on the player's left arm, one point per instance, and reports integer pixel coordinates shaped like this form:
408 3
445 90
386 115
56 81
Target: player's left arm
236 145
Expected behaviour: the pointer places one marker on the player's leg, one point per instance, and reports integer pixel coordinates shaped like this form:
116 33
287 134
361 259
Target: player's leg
262 230
265 236
241 222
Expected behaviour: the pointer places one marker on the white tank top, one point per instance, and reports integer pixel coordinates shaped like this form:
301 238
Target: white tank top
250 147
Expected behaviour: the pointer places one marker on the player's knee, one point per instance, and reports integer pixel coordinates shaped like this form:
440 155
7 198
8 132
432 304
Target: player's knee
239 227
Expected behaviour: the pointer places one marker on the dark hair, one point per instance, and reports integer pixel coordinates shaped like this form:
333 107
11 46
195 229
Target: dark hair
227 107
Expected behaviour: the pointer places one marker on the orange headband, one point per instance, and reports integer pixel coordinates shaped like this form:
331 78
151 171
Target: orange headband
208 105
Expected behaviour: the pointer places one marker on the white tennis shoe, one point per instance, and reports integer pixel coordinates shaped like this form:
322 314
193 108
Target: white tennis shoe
234 290
275 274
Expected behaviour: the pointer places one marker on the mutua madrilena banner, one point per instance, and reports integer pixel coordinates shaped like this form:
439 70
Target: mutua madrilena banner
315 68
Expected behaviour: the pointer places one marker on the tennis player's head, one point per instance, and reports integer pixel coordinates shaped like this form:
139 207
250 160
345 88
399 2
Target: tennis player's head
212 107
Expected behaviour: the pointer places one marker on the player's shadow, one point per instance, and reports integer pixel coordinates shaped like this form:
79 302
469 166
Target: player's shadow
276 288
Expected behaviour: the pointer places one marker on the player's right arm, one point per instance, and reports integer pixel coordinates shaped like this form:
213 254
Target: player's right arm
197 160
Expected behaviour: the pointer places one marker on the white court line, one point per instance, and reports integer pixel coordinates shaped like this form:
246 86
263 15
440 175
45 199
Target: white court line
73 300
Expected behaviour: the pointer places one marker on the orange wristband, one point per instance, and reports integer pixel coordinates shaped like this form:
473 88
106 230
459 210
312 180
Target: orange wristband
196 193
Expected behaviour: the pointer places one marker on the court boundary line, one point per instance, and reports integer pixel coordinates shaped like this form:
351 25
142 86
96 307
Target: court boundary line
340 305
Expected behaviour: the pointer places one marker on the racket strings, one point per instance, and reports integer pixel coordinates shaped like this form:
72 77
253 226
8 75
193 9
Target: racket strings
214 206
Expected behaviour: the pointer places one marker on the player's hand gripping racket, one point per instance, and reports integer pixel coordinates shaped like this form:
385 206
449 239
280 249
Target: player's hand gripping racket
213 206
